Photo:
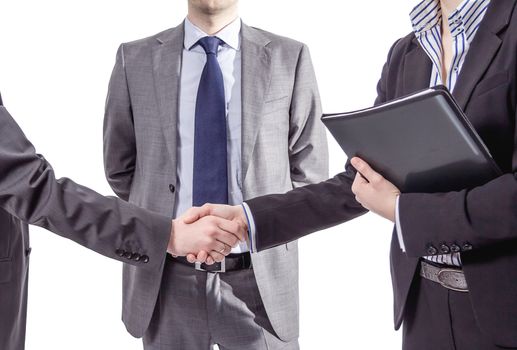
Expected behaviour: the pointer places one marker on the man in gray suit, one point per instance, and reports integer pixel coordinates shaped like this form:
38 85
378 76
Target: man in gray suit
30 193
213 111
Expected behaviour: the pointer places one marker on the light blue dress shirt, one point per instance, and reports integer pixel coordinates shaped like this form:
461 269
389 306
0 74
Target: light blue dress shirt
193 62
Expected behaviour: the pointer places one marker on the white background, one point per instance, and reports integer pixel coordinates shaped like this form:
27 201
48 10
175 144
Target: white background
56 58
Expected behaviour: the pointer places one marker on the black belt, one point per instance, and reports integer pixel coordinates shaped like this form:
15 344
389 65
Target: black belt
232 262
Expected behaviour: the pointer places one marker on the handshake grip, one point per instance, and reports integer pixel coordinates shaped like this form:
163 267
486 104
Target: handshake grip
207 234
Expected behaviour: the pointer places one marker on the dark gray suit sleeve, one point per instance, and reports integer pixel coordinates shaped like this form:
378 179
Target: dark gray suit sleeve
281 218
119 132
472 219
107 225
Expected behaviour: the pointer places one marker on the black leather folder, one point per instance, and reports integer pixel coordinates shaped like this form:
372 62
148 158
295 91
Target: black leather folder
421 143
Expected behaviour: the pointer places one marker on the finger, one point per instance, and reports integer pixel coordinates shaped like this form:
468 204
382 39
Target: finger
201 256
210 260
366 171
233 228
196 213
359 181
218 257
226 250
226 237
223 248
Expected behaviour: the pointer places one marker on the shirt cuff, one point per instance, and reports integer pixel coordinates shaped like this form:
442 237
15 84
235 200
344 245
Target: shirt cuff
397 226
251 228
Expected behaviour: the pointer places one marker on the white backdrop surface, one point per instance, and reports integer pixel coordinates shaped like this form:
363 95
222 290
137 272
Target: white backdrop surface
56 58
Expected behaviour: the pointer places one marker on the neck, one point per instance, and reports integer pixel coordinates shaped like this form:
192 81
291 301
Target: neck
448 7
212 23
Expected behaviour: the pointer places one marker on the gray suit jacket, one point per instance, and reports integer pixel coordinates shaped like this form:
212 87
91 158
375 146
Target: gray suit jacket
284 146
30 193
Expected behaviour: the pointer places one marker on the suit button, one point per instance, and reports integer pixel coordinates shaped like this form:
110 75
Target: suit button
431 250
444 248
172 188
136 257
455 248
120 252
128 255
145 259
466 247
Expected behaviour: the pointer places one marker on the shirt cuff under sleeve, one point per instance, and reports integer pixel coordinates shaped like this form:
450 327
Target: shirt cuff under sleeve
251 228
397 226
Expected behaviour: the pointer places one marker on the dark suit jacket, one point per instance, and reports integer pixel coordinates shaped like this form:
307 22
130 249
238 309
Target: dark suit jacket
481 221
30 193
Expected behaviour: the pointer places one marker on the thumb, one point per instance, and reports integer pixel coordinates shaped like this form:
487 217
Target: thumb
195 213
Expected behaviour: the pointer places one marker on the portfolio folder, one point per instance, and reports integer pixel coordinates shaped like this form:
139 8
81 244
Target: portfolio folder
421 143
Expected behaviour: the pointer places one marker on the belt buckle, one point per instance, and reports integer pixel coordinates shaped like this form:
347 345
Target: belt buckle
199 267
444 276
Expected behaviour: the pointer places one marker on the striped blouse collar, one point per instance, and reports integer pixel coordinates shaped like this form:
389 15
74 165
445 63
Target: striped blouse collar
428 14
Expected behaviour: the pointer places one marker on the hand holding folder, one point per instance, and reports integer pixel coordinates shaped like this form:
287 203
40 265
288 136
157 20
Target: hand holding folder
421 143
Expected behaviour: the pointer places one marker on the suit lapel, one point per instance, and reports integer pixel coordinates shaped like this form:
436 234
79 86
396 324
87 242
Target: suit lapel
483 48
417 69
166 74
256 77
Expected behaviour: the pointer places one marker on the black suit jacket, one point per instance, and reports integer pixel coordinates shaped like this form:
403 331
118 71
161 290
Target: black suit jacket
30 193
481 221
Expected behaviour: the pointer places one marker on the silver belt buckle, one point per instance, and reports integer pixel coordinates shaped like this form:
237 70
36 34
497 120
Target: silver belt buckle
199 267
452 279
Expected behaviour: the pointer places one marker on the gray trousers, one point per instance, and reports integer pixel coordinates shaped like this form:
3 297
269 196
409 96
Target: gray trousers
197 310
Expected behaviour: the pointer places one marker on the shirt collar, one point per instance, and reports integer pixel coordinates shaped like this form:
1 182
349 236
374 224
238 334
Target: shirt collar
425 15
428 14
229 34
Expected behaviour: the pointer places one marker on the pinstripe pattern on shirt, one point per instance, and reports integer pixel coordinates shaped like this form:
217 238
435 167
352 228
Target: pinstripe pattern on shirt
464 22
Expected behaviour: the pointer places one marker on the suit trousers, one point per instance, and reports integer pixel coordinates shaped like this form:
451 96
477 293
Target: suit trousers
437 318
197 310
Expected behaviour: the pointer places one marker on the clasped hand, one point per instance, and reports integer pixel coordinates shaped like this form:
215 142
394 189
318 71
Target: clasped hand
208 233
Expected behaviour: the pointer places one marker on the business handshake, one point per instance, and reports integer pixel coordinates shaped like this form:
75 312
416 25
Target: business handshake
207 234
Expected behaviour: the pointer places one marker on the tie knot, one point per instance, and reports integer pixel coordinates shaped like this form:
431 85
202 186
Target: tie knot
210 44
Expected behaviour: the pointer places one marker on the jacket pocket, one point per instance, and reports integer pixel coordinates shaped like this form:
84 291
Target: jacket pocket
275 105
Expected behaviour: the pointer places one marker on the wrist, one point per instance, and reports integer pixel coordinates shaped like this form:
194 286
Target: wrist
172 245
393 208
241 217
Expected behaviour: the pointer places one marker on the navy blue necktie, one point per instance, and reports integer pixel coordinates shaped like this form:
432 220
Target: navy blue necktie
210 183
